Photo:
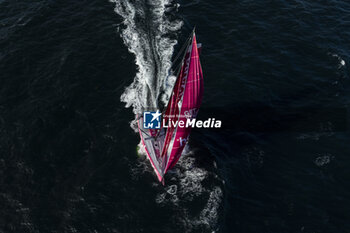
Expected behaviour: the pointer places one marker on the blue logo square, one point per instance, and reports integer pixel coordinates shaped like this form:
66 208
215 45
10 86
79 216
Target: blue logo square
151 120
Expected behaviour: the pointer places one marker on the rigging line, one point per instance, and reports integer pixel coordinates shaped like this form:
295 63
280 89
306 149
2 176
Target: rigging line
189 40
181 50
177 70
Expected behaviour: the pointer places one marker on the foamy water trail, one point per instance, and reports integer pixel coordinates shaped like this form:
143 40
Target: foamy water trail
188 185
150 35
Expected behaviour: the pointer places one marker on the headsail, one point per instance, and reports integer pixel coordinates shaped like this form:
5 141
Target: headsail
185 102
164 147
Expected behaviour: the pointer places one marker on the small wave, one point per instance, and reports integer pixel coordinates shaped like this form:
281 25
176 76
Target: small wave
342 63
323 160
325 130
209 214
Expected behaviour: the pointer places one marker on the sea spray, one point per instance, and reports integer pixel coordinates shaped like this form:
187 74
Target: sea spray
150 35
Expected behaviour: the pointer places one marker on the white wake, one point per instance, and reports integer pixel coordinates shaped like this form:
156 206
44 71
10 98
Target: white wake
150 35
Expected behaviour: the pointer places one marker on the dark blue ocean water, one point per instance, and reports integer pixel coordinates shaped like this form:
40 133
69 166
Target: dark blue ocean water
276 73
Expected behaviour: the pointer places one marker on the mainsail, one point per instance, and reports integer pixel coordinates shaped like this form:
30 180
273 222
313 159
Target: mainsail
164 146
